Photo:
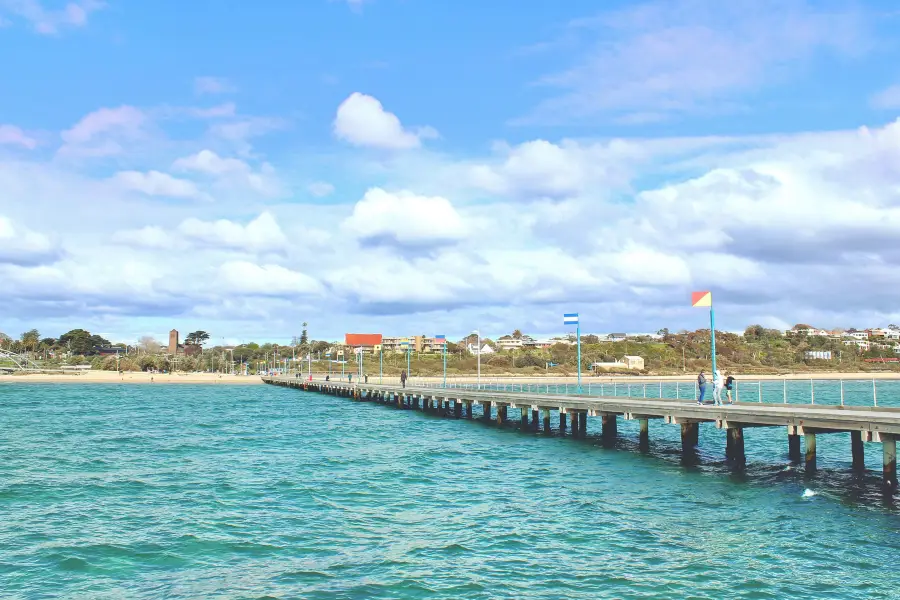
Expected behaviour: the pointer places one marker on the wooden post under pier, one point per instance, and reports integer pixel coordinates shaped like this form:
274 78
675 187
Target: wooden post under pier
810 439
889 448
609 429
858 451
794 447
644 435
546 420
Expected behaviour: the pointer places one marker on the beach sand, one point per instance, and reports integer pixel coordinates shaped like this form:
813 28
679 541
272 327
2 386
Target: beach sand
133 377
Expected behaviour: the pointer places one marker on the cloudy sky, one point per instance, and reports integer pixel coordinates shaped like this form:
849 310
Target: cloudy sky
411 166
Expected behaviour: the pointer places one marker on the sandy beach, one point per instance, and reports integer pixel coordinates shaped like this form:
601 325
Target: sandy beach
218 379
133 377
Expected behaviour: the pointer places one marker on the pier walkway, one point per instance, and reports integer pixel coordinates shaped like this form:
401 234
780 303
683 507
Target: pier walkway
865 424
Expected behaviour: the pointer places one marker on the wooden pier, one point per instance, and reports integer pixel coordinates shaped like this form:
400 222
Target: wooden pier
865 424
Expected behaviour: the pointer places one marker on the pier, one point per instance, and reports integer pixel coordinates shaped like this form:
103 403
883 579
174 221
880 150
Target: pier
535 412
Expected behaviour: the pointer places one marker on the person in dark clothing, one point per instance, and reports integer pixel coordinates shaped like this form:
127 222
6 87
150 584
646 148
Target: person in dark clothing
328 378
349 377
701 385
403 378
729 385
367 378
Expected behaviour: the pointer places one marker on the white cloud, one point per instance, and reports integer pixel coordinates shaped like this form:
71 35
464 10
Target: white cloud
887 99
232 171
13 136
150 237
155 183
48 22
242 277
261 234
213 85
207 161
404 219
362 121
650 61
320 189
24 247
102 132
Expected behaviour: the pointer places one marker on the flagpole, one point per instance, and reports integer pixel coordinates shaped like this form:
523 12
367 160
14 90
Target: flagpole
712 339
445 363
578 336
381 365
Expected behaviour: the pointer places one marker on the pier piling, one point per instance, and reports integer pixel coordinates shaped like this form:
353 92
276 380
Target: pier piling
546 420
524 420
858 451
609 428
644 436
810 439
889 447
736 439
562 422
794 447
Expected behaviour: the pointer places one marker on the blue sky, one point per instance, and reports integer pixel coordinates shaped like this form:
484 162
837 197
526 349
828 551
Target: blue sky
422 167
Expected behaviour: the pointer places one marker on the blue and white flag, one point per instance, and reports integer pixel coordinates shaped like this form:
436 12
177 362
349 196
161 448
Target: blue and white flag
570 319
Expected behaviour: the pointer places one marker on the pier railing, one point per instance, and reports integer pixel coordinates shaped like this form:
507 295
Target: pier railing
849 391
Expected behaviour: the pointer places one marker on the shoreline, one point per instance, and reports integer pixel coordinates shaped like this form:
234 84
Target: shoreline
137 378
140 378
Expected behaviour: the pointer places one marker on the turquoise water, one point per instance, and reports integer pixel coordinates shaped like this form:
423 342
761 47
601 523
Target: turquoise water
131 491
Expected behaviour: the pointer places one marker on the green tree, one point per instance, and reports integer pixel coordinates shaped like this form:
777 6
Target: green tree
31 339
197 338
304 336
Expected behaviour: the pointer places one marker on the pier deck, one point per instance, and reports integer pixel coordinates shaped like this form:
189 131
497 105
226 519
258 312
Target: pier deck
865 424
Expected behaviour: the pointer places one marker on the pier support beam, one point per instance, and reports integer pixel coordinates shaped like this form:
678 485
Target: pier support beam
501 415
810 451
457 410
644 436
468 410
688 435
793 447
524 419
546 420
889 447
486 406
535 418
610 428
736 443
858 451
582 424
562 422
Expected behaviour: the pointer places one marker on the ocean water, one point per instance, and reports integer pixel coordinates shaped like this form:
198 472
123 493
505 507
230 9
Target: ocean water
153 491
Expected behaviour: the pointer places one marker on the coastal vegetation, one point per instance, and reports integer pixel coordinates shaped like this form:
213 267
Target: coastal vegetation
758 350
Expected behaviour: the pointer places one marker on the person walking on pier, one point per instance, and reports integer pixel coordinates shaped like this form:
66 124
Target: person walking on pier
701 386
366 378
403 378
718 386
729 385
349 377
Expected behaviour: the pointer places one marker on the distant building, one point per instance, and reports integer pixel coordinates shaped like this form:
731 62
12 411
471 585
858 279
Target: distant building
173 341
508 342
633 362
818 354
485 349
616 337
627 362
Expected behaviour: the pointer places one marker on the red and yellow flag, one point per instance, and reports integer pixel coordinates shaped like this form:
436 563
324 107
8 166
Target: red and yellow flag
701 299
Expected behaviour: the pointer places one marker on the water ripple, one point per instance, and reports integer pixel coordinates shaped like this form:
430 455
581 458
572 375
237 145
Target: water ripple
255 492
